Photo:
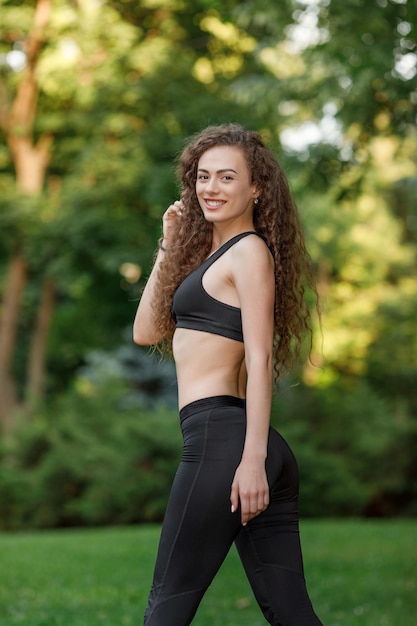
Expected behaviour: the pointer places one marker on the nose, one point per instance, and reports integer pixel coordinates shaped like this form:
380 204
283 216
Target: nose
212 185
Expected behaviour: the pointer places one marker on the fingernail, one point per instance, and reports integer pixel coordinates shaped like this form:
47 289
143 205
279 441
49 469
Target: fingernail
233 509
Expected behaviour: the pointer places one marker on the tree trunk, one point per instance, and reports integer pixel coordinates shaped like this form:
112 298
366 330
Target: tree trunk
37 357
8 331
30 161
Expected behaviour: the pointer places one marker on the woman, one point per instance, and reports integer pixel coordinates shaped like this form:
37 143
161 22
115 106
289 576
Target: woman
226 293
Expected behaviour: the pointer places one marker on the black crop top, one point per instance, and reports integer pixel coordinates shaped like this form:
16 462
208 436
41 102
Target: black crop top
194 308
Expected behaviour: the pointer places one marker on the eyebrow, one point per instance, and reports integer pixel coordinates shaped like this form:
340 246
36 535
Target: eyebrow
227 169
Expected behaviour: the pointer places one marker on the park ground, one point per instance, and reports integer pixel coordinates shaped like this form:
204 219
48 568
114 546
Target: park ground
359 572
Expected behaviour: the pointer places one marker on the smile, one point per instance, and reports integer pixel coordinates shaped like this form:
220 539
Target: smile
214 204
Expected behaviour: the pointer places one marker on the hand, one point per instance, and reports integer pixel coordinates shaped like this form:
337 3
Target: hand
170 219
250 486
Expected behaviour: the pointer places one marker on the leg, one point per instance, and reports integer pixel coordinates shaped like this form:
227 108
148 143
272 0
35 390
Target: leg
199 527
269 546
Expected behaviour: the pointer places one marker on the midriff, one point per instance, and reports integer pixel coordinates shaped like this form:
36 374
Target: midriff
207 365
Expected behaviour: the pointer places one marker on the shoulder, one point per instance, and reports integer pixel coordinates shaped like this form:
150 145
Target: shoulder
252 271
253 250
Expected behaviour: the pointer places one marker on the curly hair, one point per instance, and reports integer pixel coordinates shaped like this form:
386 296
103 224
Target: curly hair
276 219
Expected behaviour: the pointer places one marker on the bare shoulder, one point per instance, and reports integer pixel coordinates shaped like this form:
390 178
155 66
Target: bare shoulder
252 250
252 271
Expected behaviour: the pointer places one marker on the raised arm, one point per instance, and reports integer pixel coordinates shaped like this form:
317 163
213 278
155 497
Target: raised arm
144 331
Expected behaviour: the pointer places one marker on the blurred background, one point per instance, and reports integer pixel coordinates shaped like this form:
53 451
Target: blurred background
97 98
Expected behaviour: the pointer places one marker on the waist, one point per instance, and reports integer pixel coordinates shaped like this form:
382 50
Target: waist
212 402
207 365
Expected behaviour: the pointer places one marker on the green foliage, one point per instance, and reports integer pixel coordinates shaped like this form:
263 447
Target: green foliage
151 380
96 456
88 459
355 449
121 84
117 125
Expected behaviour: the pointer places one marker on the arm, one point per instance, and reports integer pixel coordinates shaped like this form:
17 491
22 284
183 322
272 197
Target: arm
144 332
254 280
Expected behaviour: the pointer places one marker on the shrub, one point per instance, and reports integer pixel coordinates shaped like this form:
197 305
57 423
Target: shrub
355 449
87 459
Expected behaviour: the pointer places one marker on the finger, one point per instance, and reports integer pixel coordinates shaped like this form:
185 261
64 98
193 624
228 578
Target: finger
245 506
174 208
252 507
179 206
245 517
263 501
234 498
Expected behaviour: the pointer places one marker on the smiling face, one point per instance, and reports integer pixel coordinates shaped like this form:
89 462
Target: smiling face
223 186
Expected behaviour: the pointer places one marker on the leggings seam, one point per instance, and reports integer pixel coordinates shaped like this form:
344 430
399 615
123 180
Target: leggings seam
200 465
262 566
182 593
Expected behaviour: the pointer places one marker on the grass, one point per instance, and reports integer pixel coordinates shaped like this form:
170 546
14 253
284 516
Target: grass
358 572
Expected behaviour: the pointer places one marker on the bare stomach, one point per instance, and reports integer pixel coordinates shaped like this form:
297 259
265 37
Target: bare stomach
208 365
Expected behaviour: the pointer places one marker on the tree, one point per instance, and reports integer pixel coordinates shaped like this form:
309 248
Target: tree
88 120
30 159
117 86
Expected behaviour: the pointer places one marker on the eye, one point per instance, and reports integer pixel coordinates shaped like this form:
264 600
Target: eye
227 178
202 177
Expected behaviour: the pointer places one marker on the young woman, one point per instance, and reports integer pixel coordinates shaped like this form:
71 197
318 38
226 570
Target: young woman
226 294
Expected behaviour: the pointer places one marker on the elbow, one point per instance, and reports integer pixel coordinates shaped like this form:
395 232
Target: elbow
141 338
260 363
141 330
145 336
140 335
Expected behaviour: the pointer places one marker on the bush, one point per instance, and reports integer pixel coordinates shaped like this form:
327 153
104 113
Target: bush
98 456
87 459
355 449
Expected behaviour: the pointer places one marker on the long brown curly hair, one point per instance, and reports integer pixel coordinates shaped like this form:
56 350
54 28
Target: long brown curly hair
276 219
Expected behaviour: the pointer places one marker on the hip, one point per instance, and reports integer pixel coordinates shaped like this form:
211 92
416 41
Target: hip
214 430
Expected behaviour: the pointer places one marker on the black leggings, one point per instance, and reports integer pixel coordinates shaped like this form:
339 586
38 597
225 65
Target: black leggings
199 528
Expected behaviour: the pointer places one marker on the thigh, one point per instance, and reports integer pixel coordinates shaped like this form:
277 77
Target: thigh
269 546
271 556
273 536
199 527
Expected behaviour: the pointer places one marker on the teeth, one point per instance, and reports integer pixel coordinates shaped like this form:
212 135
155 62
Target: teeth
214 203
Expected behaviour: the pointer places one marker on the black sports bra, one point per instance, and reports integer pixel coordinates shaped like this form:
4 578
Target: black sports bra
194 308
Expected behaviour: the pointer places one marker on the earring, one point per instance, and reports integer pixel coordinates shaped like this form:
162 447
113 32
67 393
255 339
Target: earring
256 201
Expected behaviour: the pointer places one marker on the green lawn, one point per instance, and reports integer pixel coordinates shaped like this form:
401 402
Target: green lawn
359 573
